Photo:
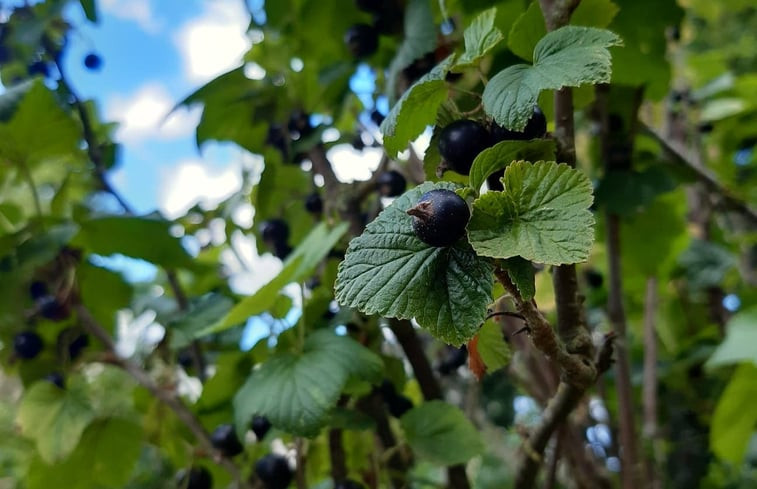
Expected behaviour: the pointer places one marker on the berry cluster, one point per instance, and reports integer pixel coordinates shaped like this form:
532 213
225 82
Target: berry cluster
362 39
282 136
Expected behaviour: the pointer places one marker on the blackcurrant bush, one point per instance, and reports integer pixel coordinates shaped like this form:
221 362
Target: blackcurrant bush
536 127
440 217
274 231
391 183
460 142
225 440
27 344
196 478
260 426
361 40
274 471
93 61
314 203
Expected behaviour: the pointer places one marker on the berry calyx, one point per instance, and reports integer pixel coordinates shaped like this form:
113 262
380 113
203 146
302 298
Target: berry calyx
196 478
440 217
391 183
27 344
93 61
260 426
460 143
274 471
536 127
314 203
225 440
361 40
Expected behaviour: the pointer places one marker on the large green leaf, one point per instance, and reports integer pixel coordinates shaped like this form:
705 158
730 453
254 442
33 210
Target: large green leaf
416 109
296 392
389 271
740 340
503 153
298 266
567 57
481 36
441 433
734 418
542 215
54 418
138 237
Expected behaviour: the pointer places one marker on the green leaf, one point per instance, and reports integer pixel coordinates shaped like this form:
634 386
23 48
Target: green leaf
416 109
203 312
522 274
706 264
738 345
567 57
733 421
481 36
503 153
526 32
626 192
298 266
296 392
389 271
54 418
147 238
231 371
441 433
90 9
542 215
594 13
492 347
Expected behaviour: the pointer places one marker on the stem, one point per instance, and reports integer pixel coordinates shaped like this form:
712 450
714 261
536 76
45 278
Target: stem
397 465
299 475
336 455
649 386
554 460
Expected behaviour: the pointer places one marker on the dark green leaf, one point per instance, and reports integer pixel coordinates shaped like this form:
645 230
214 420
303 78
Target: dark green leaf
522 274
90 9
738 345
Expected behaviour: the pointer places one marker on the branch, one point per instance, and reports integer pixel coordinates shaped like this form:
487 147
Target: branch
649 384
337 456
165 396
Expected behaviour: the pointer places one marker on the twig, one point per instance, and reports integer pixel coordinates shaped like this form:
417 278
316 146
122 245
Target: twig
649 385
337 456
554 460
504 313
299 475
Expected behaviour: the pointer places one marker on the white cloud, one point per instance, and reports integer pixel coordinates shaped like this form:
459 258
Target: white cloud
143 115
140 11
192 181
214 42
254 271
350 164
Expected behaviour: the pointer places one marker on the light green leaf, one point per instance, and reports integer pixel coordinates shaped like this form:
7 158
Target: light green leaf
567 57
481 36
54 418
416 109
389 271
296 392
148 238
492 347
734 420
441 433
542 215
738 345
594 13
526 32
298 266
522 274
503 153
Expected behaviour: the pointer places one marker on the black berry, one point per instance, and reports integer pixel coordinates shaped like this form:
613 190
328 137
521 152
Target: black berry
358 143
50 308
536 127
281 250
37 289
185 359
348 484
370 5
196 478
440 217
260 426
361 40
72 342
455 358
494 182
314 203
93 61
56 378
460 143
225 440
399 406
377 117
593 278
277 138
27 344
38 68
274 471
391 183
299 124
274 231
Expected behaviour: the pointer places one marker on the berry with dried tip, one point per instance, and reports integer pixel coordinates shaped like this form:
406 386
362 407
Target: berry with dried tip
93 61
440 217
196 478
362 40
27 344
391 183
56 378
260 426
274 471
225 440
536 127
274 231
460 142
314 203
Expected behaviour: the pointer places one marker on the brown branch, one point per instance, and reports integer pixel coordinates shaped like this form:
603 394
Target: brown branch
337 456
165 396
554 460
649 385
299 474
398 461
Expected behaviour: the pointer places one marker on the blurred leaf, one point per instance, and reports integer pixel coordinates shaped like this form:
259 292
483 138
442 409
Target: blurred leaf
503 153
203 312
733 422
626 192
740 340
706 264
492 347
90 9
526 32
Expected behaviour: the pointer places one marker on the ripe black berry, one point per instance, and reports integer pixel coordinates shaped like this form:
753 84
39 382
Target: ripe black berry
455 358
299 124
27 344
348 484
369 5
72 342
225 439
37 289
281 250
196 478
377 117
50 308
358 143
460 143
314 203
440 217
391 183
274 471
593 278
56 378
93 61
399 406
493 181
274 231
536 127
361 40
260 426
185 359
